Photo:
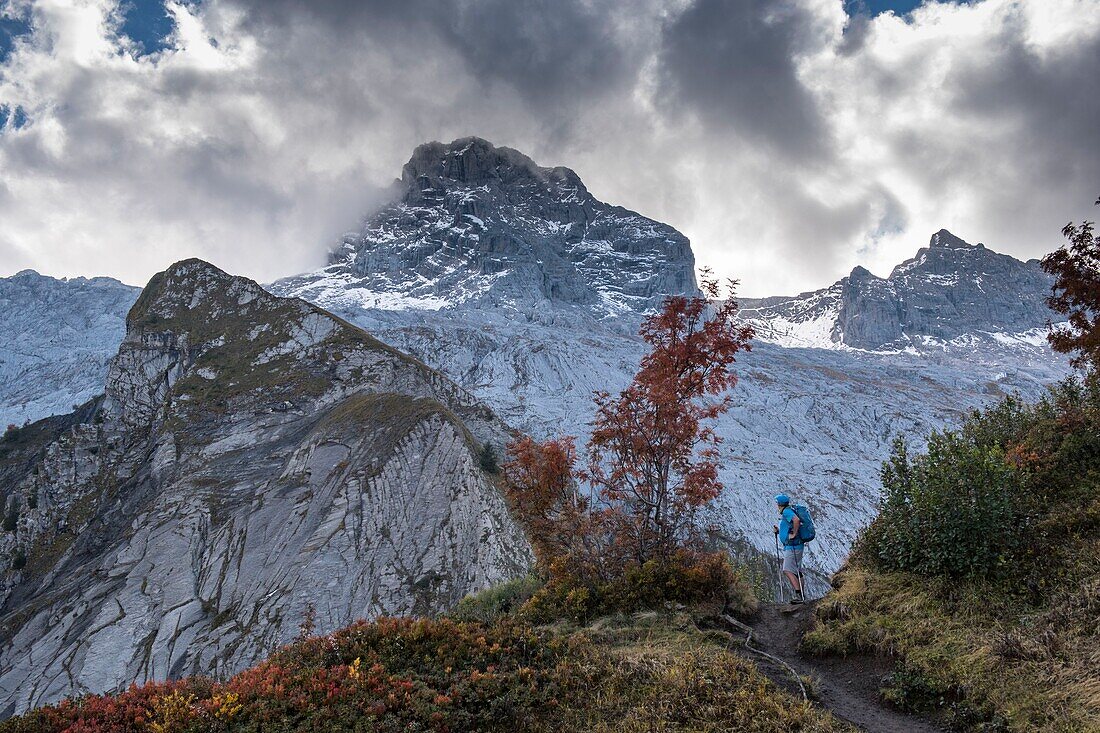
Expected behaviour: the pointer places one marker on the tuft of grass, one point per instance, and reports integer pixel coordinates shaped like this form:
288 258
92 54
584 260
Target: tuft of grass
497 601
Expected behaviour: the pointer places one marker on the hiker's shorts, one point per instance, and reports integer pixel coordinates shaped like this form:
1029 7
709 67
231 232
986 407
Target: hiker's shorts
792 560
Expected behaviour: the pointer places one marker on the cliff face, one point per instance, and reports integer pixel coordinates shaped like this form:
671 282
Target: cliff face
252 455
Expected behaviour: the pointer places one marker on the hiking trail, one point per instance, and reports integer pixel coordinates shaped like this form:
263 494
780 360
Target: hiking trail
847 686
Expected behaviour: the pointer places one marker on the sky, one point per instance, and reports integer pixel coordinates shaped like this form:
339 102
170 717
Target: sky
790 140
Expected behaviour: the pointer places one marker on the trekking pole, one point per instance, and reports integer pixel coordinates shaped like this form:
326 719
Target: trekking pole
779 562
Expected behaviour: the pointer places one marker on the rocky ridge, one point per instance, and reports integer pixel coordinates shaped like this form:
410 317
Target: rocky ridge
475 224
251 456
949 289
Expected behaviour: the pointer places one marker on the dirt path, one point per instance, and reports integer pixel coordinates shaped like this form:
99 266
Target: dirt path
847 686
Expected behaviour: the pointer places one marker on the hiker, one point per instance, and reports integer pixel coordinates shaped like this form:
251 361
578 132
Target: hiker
789 527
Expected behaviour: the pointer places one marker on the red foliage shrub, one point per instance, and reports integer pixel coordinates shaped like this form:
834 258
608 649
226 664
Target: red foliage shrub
653 453
390 675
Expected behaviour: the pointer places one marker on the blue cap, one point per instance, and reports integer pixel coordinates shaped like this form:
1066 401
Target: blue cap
782 499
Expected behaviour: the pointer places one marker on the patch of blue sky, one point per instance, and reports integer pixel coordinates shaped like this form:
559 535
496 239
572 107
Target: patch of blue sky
148 23
11 29
899 7
12 118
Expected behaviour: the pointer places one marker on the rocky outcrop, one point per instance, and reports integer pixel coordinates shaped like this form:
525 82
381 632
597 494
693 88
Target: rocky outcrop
56 339
476 224
253 456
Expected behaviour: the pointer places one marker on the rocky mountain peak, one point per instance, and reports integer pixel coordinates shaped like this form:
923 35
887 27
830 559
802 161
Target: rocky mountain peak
948 289
483 226
947 240
247 446
859 272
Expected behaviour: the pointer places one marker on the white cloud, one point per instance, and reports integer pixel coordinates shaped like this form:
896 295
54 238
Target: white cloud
788 147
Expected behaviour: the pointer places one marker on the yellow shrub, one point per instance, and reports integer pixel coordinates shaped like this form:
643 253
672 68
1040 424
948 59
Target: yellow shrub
172 713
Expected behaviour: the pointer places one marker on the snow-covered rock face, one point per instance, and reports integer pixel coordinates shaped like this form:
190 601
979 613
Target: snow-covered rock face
834 376
950 289
473 223
56 339
252 456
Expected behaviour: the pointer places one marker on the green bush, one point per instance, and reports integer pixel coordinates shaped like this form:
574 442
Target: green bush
996 497
18 560
499 600
952 511
487 458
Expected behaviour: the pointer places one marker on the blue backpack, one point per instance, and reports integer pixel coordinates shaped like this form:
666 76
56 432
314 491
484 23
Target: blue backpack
806 531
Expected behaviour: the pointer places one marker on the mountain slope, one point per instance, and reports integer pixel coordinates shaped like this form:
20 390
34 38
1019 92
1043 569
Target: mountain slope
816 422
251 455
56 339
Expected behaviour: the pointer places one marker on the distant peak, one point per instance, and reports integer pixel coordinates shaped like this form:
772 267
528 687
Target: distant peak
947 240
859 272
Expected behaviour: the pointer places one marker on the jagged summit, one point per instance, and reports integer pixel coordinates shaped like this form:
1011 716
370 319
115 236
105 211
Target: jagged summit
473 161
475 225
948 290
946 239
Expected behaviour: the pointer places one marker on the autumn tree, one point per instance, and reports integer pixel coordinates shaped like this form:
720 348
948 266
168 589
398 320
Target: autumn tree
652 457
1076 294
614 535
544 494
653 449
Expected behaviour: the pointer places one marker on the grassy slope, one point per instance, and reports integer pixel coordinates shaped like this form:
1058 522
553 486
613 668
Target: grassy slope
980 660
649 672
1016 653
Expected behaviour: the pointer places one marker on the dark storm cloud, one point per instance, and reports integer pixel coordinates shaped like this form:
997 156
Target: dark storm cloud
553 53
731 62
1053 100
